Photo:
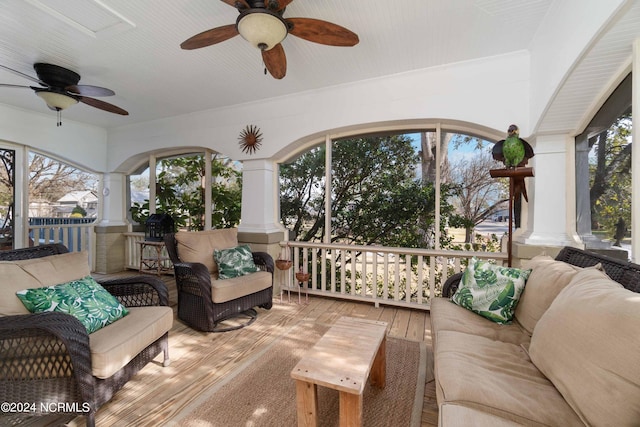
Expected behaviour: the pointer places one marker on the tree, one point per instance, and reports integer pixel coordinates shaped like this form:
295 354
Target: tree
478 196
78 212
50 179
376 197
180 192
610 190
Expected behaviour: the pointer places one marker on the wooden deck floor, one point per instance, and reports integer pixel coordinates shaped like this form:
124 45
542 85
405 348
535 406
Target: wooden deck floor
198 360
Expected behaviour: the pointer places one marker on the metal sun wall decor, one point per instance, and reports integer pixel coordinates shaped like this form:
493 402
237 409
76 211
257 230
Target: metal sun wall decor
250 139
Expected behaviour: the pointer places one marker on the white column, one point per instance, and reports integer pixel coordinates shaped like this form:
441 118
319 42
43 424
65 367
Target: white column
114 209
635 154
152 184
21 201
207 190
551 214
259 194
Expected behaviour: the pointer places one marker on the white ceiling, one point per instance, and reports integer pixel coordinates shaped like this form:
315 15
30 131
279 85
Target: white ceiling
133 47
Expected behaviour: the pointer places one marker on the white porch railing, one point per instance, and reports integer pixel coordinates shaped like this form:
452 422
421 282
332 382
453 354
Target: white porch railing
76 237
382 275
404 277
132 250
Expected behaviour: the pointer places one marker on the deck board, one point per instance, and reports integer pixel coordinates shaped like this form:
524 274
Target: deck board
157 394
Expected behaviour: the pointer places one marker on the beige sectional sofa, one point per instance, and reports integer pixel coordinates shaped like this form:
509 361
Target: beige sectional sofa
569 358
50 358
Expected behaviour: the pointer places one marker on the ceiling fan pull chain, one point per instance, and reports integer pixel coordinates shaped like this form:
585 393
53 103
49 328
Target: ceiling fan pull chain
59 123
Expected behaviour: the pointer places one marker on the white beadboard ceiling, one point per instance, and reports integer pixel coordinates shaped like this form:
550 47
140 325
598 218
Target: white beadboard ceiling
133 47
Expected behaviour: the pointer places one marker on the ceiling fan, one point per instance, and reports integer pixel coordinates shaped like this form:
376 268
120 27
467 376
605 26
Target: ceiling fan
60 89
261 23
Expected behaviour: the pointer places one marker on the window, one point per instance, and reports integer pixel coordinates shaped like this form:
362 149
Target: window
397 189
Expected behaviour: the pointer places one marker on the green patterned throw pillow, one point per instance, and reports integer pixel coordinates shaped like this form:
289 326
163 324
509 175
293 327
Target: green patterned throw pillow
234 262
84 299
490 290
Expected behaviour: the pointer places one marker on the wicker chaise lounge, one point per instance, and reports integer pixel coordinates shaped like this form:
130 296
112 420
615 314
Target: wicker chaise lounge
204 300
47 359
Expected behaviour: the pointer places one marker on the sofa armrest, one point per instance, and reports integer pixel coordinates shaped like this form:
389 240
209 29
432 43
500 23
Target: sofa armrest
138 291
263 261
451 285
28 339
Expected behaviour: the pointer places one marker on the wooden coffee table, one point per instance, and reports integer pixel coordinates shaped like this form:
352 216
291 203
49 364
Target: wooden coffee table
342 360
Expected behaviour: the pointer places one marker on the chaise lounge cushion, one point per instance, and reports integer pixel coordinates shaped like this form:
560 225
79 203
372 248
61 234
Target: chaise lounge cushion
38 272
198 246
497 378
115 345
548 277
236 287
586 344
56 269
452 317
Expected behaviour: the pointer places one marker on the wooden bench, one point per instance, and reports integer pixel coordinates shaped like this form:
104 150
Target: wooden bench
342 360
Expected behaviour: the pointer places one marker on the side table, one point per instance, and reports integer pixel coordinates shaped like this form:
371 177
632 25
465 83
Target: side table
152 258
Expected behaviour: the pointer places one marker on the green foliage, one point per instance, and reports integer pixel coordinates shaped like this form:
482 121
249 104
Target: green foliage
180 193
376 198
611 177
79 211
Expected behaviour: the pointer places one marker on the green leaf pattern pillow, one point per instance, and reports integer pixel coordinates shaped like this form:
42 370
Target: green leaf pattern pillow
84 299
234 262
490 290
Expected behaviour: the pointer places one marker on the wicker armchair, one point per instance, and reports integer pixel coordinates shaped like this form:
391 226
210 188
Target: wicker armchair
45 357
623 272
194 282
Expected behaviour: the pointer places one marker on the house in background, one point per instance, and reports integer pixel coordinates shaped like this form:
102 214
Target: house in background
86 199
63 207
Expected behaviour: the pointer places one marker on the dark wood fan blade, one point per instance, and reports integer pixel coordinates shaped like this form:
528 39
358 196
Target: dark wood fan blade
209 37
88 90
26 76
238 4
323 32
103 105
276 61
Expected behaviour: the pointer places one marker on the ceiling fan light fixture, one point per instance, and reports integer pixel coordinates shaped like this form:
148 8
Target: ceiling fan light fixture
262 28
56 101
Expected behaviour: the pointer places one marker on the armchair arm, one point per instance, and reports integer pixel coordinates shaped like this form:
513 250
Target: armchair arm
451 285
27 341
263 261
193 278
138 291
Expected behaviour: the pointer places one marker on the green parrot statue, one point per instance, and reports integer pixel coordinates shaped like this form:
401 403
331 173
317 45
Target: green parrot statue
513 148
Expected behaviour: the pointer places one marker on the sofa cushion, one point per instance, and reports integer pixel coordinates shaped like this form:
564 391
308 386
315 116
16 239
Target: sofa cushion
84 299
230 289
548 277
587 343
113 346
490 290
234 262
198 246
460 415
56 269
447 316
497 378
14 278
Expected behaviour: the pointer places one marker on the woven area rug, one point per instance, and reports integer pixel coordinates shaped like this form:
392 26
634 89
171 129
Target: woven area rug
262 393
